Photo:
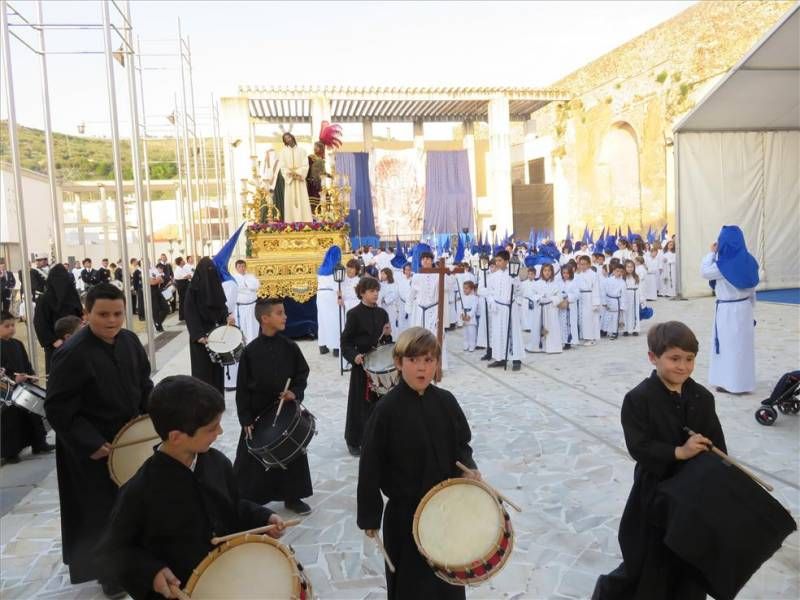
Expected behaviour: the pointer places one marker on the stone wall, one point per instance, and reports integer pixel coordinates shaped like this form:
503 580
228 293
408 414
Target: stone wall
642 88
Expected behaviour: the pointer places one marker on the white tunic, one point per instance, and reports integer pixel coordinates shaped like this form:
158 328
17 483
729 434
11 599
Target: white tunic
295 201
424 295
653 266
546 337
588 305
405 309
231 293
527 290
349 293
484 320
631 302
668 274
614 291
500 305
733 360
387 300
569 316
246 305
328 314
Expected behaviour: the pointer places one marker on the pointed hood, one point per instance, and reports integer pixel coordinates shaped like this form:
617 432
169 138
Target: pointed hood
333 256
223 257
735 263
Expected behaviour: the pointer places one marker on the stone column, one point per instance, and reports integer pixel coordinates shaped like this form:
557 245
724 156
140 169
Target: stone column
499 180
236 133
419 136
369 144
320 108
469 146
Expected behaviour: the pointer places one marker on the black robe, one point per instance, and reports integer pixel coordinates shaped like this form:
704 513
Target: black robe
411 443
205 309
61 299
166 515
94 389
18 427
266 364
653 418
362 331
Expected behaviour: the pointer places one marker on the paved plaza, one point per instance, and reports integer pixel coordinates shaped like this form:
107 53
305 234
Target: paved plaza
548 437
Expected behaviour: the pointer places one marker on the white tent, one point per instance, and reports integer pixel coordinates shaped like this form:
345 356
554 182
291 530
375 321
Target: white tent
737 160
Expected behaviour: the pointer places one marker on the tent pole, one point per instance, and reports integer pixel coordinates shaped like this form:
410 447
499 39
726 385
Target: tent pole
679 245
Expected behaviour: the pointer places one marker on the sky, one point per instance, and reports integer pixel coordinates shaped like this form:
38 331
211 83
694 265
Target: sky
299 43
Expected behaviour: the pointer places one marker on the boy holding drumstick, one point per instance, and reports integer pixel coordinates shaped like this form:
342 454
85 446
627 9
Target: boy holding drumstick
654 416
185 494
412 441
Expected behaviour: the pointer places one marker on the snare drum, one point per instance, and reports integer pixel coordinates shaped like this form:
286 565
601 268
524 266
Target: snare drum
131 447
225 345
278 445
31 397
250 566
463 531
379 366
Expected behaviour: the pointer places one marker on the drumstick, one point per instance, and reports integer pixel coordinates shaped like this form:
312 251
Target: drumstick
218 540
280 404
730 460
134 442
379 543
503 498
179 593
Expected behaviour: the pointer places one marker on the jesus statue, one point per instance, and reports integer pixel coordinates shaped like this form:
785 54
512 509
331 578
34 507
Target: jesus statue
294 168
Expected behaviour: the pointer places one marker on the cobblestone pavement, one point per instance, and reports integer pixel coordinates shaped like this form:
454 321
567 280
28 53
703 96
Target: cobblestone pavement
549 437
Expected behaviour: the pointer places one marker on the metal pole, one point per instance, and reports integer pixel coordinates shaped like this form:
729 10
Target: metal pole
8 84
120 198
189 194
204 171
137 182
144 148
217 179
48 140
195 145
179 193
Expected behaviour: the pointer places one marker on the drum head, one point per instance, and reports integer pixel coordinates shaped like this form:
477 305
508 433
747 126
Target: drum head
225 339
124 462
264 433
30 397
246 567
458 522
380 360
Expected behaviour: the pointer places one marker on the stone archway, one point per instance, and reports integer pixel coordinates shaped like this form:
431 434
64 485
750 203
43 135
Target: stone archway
617 176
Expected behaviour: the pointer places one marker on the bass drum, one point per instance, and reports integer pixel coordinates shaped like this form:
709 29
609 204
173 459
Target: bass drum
250 566
379 366
131 447
225 345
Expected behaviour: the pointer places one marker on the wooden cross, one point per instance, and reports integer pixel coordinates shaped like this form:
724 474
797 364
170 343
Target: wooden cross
442 270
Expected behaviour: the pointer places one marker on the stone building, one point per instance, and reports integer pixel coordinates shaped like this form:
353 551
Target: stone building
605 156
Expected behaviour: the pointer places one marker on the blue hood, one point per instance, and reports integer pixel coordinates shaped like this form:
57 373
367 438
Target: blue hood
333 256
735 263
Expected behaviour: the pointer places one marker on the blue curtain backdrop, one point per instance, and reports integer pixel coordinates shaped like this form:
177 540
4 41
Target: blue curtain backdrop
356 166
448 192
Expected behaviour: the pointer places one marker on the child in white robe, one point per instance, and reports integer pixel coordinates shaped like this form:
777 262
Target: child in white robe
669 270
388 296
631 300
652 262
349 298
589 302
469 305
404 307
547 337
568 307
527 299
614 290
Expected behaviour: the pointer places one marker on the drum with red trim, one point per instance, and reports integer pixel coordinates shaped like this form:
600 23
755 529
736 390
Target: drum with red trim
463 531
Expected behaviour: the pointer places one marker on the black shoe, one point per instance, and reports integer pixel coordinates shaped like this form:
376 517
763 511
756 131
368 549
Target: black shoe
635 333
603 334
354 450
11 460
44 449
625 333
298 507
323 350
497 363
516 365
613 336
160 328
336 353
113 590
567 346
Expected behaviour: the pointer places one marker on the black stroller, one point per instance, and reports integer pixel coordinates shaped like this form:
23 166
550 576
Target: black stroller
786 396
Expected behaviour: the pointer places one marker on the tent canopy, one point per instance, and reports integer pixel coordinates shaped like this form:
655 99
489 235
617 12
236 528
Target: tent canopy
762 92
738 162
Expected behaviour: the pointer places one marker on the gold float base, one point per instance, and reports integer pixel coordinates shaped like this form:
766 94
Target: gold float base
286 263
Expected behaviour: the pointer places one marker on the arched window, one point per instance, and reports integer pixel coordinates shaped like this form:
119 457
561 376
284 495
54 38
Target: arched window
618 176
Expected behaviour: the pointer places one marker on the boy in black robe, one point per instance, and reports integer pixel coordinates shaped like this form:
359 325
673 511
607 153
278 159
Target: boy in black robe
19 428
100 380
654 415
413 439
181 497
204 311
367 325
266 363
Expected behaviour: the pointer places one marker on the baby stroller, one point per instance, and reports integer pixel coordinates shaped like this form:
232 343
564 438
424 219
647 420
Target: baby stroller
786 396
